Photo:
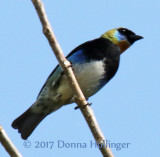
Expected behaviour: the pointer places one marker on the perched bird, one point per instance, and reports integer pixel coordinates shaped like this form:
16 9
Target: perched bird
94 63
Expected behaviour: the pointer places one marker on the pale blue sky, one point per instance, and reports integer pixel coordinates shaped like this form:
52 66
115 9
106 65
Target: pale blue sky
127 108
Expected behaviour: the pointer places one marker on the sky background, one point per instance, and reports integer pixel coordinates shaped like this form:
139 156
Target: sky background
127 108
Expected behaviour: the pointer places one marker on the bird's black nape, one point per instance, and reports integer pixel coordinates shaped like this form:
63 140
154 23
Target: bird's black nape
131 36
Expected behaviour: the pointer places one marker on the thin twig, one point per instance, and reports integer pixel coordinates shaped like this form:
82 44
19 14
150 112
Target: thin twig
66 66
7 144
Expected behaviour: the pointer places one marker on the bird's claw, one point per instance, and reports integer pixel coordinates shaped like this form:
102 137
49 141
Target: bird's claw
67 64
88 104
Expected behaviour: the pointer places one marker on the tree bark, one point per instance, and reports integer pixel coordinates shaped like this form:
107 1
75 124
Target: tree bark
66 66
7 144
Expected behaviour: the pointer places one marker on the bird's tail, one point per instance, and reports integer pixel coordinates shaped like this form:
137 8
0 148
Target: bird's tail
27 122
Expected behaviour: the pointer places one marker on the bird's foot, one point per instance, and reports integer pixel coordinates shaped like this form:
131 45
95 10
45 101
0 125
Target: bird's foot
88 104
67 64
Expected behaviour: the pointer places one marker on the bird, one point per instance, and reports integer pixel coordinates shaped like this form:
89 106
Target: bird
94 63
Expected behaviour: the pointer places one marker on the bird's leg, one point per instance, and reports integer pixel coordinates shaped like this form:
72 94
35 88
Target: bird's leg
88 104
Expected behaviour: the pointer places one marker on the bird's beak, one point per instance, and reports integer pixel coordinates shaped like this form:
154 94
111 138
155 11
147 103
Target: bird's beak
136 37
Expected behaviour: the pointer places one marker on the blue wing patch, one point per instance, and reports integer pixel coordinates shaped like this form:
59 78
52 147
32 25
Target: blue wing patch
78 57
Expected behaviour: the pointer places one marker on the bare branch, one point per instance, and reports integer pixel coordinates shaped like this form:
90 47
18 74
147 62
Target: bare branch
66 66
7 144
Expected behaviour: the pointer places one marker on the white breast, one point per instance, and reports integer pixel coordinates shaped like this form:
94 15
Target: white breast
89 75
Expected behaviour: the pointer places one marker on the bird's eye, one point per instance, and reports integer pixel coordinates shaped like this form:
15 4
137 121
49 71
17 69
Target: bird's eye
123 31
